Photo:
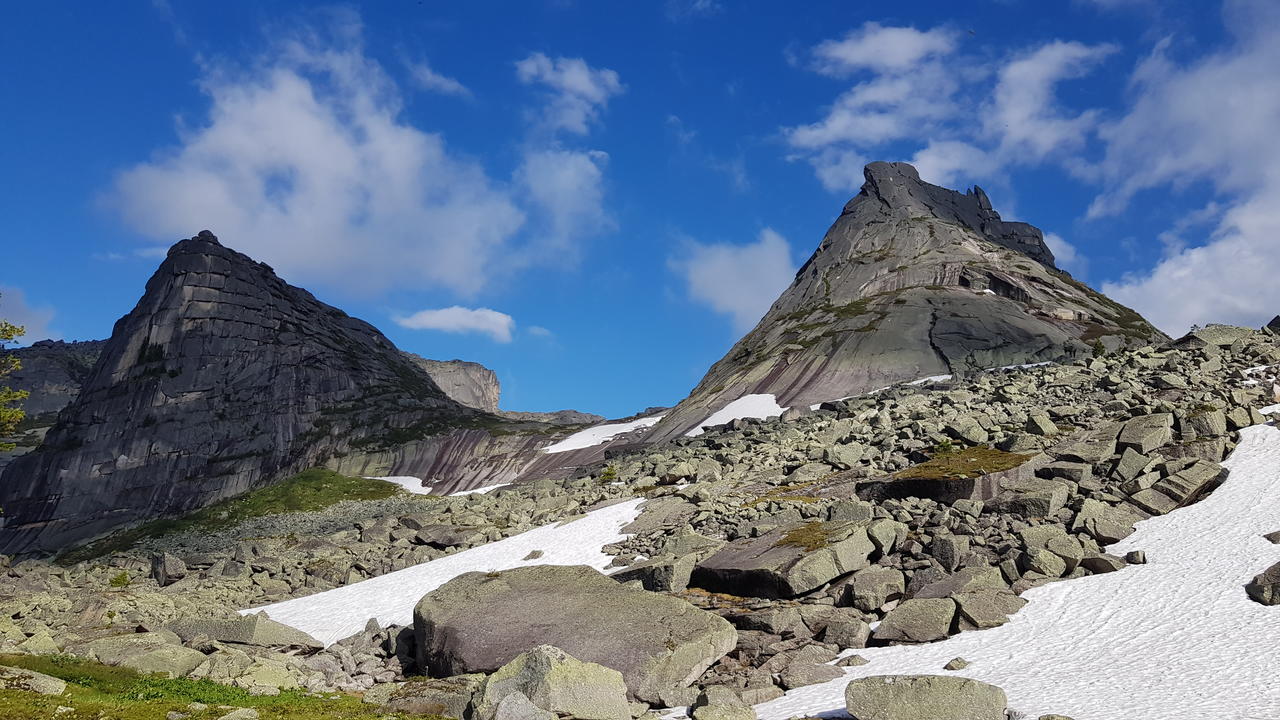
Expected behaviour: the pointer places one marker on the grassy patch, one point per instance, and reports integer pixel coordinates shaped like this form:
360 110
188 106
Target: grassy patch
782 493
967 463
810 536
310 490
96 691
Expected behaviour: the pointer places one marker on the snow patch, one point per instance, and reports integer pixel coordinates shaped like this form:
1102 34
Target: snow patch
335 614
1175 639
748 406
600 434
479 490
408 482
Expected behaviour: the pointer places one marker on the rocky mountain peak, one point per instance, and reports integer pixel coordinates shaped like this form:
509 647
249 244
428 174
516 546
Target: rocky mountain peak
912 280
223 378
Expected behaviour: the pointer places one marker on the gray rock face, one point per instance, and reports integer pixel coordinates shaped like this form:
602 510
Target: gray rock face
469 383
479 622
52 372
912 280
923 697
222 379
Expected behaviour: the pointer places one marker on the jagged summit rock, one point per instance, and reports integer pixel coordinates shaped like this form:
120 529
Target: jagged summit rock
222 378
912 280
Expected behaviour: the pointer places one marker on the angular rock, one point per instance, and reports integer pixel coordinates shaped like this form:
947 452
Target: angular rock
657 642
1147 432
449 697
917 621
923 697
256 629
554 680
1265 587
12 678
666 573
965 580
986 608
871 588
786 562
718 702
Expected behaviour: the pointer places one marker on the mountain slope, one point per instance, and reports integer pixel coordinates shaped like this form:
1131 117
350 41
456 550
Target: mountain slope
912 280
221 379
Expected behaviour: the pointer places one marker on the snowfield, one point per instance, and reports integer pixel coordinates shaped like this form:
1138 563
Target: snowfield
747 406
600 434
1175 639
335 614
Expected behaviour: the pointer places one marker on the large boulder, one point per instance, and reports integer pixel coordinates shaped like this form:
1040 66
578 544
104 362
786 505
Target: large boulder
449 697
554 680
479 622
786 562
917 620
923 697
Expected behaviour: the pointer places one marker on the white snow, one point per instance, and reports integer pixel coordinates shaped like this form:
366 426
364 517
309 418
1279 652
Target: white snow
748 406
479 490
334 614
408 482
599 434
1175 639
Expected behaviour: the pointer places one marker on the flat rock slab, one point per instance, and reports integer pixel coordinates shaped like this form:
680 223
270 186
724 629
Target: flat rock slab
923 697
479 622
786 562
255 629
12 678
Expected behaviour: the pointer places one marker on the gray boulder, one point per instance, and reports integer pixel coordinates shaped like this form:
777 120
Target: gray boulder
923 697
786 562
917 621
257 629
449 697
554 680
718 702
479 622
1265 587
12 678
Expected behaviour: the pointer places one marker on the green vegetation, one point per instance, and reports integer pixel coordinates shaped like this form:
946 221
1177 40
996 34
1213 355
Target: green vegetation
9 416
810 536
308 491
609 474
96 691
967 463
121 580
784 493
1098 349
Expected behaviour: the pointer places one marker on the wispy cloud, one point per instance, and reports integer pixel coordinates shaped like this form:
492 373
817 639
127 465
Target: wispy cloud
456 319
427 79
576 93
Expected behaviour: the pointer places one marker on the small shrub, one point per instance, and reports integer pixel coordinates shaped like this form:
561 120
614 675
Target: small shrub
121 580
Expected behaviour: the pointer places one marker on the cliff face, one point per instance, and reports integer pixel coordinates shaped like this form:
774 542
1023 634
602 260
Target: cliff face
222 379
912 280
52 372
471 384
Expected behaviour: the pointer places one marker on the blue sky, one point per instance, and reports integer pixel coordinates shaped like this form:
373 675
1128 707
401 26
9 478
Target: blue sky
596 199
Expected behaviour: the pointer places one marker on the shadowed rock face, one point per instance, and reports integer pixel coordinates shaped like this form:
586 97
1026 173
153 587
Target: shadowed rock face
222 379
912 280
52 372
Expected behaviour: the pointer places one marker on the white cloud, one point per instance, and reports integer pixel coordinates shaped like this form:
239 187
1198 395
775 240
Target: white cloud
566 190
1210 121
304 162
880 48
15 308
428 79
496 325
578 92
1066 255
741 281
1023 111
539 331
968 116
945 162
